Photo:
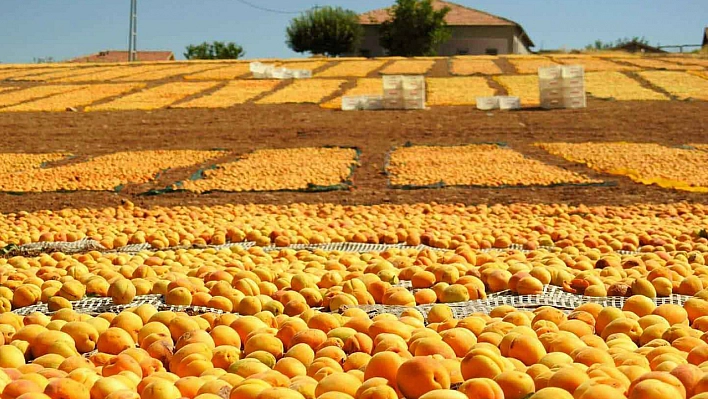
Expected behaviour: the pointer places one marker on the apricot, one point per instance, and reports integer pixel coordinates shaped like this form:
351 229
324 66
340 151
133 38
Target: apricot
674 314
84 335
568 378
460 340
377 392
264 342
338 382
515 384
18 387
482 363
589 356
280 393
432 346
696 308
662 382
598 390
650 388
11 357
482 388
551 393
689 375
66 388
122 292
529 285
628 327
420 375
443 394
639 305
114 340
160 389
384 365
528 350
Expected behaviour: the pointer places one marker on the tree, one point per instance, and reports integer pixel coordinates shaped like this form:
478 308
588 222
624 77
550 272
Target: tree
414 29
332 31
214 51
600 45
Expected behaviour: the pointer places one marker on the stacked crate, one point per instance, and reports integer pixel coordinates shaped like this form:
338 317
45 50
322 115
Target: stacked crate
393 91
414 92
498 102
266 71
562 86
362 103
403 92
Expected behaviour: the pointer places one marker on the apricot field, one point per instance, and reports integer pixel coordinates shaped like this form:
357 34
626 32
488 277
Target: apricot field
205 235
221 302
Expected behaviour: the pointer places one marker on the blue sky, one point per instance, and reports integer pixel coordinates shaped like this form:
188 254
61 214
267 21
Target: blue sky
67 28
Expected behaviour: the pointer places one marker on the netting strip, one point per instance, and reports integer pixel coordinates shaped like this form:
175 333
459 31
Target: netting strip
86 245
551 296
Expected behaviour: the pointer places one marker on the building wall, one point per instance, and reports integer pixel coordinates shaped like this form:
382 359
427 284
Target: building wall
370 46
471 40
519 47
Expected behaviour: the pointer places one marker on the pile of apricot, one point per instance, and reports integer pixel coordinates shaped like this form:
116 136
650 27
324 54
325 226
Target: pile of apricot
640 351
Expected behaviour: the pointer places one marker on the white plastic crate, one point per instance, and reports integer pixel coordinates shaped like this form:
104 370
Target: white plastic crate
393 93
392 82
403 92
301 73
573 71
544 84
393 103
414 103
509 102
413 94
575 102
361 103
256 67
572 92
573 82
487 103
374 102
550 72
552 103
413 82
552 93
281 73
352 103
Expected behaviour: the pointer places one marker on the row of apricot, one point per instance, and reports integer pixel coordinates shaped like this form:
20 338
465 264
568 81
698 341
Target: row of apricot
640 351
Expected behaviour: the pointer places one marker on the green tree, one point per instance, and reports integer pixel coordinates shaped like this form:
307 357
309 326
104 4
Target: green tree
600 45
214 51
332 31
414 29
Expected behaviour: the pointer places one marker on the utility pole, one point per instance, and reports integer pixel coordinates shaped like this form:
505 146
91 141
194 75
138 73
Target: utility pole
133 34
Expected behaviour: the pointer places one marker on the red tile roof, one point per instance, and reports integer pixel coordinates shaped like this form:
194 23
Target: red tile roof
458 16
122 56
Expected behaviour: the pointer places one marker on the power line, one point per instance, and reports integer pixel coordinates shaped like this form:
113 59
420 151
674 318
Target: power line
257 7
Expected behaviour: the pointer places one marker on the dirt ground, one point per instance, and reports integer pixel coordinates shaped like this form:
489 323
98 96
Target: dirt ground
249 127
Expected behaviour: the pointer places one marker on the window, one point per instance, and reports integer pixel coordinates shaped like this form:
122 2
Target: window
365 52
491 51
462 51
